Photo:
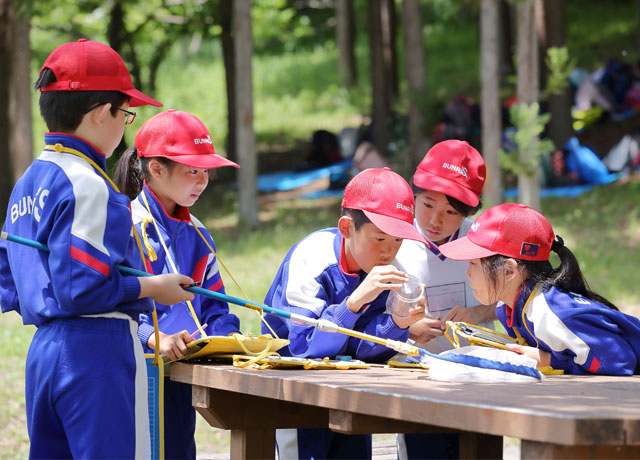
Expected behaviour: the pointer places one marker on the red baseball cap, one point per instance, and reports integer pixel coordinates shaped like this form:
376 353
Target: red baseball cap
386 199
181 137
86 65
512 230
454 168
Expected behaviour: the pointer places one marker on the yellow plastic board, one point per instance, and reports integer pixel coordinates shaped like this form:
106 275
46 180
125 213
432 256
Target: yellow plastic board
235 344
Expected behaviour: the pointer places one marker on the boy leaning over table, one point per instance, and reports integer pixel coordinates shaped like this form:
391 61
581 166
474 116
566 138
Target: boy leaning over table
344 275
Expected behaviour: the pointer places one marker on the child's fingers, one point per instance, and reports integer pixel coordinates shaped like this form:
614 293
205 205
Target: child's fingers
185 337
515 347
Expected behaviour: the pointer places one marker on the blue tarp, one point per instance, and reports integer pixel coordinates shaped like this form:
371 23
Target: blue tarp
571 191
289 180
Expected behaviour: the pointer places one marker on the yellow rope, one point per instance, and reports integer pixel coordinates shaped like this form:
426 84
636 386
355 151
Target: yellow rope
59 148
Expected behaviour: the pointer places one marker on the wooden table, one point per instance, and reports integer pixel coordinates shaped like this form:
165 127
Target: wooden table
562 417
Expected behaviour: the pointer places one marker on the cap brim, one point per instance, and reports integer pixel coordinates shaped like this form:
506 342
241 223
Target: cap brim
203 161
464 249
138 98
430 181
395 227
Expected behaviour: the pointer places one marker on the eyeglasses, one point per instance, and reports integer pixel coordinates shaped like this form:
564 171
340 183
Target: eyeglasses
128 116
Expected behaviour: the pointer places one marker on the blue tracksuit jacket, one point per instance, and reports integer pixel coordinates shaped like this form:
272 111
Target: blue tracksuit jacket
192 258
62 202
313 281
85 379
583 336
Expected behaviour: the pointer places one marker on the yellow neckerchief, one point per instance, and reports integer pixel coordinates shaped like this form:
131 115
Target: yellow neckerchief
174 268
524 321
59 148
548 370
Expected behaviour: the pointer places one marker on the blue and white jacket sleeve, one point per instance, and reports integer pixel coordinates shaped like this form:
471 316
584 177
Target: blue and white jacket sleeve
583 336
88 233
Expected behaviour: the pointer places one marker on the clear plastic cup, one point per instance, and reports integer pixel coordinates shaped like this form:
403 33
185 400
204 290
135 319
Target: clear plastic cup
404 299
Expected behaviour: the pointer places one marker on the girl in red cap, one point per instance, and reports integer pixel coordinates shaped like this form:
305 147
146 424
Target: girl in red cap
551 311
164 174
447 186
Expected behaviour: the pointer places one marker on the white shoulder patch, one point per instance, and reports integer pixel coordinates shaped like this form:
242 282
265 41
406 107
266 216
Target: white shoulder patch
138 211
196 221
551 330
91 195
309 259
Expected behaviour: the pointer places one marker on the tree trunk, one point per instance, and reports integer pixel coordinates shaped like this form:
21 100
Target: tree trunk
6 57
527 92
345 37
560 129
20 103
159 54
245 140
638 27
506 38
229 68
490 98
379 82
415 71
540 25
388 17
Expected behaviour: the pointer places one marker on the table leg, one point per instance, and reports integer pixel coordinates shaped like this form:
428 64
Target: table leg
253 444
480 446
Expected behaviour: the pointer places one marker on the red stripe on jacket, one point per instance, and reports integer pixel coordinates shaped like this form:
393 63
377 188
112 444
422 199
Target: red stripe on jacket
89 260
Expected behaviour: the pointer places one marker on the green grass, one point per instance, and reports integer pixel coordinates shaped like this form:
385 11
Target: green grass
15 339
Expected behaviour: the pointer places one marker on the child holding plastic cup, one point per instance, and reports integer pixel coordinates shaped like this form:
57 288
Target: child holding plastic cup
400 302
447 186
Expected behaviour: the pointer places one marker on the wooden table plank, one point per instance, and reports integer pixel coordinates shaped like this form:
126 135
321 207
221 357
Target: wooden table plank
564 410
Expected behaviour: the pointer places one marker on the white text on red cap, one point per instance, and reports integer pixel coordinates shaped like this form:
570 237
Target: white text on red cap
404 207
203 140
459 169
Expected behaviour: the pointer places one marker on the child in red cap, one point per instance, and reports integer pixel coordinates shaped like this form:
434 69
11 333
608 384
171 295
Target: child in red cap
447 186
344 275
86 381
563 323
164 174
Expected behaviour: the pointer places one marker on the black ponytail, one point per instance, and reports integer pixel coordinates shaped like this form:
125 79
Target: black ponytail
566 277
132 171
130 174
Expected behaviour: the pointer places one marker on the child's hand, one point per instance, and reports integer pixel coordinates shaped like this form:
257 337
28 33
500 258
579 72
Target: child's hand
472 315
426 329
415 314
461 314
174 345
381 277
543 357
166 289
